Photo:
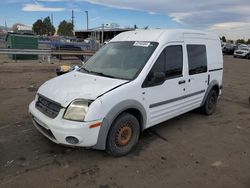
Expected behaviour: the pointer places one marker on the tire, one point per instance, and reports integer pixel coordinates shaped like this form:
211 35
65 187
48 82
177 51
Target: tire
123 135
209 106
248 56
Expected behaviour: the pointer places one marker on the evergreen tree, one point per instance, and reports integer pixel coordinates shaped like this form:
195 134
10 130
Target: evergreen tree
65 28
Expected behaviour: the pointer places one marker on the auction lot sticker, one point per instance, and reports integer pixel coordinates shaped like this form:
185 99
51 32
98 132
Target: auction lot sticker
142 44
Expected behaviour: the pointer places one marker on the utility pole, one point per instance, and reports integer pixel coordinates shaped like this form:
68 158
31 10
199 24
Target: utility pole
87 15
73 17
52 19
6 27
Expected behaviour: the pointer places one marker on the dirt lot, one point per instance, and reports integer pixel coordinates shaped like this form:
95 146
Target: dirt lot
190 151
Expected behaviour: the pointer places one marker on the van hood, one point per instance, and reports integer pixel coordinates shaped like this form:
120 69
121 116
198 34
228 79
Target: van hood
77 85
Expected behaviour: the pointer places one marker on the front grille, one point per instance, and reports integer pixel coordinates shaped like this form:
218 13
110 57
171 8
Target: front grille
45 131
239 52
48 107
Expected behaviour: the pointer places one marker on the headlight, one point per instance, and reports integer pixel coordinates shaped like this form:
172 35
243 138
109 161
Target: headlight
77 110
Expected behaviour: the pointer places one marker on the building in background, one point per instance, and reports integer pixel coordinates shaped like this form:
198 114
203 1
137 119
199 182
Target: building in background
2 31
24 29
102 33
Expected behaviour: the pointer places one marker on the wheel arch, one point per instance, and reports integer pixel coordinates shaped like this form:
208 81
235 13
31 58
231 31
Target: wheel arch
213 85
130 106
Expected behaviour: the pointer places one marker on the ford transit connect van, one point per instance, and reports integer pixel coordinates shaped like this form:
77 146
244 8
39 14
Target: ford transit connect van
139 79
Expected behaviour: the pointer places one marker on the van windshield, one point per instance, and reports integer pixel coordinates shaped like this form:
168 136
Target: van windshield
121 60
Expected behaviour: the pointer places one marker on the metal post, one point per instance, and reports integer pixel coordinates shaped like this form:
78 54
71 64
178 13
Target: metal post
95 41
49 59
87 14
102 33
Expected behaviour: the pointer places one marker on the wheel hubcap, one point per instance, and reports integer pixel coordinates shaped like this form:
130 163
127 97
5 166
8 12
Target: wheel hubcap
124 135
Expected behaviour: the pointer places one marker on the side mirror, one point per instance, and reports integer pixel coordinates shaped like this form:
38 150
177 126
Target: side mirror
154 79
158 77
76 68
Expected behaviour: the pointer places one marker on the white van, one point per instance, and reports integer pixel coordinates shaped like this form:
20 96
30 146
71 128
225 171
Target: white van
139 79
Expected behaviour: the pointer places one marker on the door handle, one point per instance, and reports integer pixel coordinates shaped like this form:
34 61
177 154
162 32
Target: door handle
182 82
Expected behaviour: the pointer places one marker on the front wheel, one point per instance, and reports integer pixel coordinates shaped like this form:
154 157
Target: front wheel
209 106
123 135
248 56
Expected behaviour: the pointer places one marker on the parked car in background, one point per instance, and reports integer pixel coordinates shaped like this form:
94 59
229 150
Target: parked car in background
69 46
239 46
243 52
228 49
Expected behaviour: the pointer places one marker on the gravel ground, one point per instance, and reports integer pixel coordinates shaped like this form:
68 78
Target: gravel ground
192 150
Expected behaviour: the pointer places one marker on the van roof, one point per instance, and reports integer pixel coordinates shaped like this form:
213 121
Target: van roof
161 35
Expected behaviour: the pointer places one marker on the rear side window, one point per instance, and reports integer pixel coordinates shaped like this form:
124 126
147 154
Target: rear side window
197 59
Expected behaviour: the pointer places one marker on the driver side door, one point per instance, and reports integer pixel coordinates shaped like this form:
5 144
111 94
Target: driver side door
165 96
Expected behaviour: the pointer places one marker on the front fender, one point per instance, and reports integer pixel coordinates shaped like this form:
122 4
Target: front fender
113 114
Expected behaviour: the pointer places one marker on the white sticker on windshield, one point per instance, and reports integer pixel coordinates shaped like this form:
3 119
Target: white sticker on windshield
142 44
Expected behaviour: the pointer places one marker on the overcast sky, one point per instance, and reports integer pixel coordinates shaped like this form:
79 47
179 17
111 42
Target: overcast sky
226 17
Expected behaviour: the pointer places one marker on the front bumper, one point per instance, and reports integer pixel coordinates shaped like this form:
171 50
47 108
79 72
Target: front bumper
58 129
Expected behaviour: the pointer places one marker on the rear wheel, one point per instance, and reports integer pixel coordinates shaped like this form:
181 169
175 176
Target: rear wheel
123 135
209 106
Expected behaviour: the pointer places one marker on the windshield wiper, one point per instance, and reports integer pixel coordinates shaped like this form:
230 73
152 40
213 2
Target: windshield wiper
102 74
96 73
86 70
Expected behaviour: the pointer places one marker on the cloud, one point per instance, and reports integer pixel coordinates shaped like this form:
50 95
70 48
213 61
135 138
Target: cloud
14 1
94 19
51 0
185 11
152 13
40 8
193 13
216 15
235 30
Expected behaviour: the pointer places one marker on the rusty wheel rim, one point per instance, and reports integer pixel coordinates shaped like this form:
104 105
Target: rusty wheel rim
124 135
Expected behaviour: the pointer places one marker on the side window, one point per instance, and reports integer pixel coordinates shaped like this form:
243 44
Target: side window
197 59
174 61
169 63
159 65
